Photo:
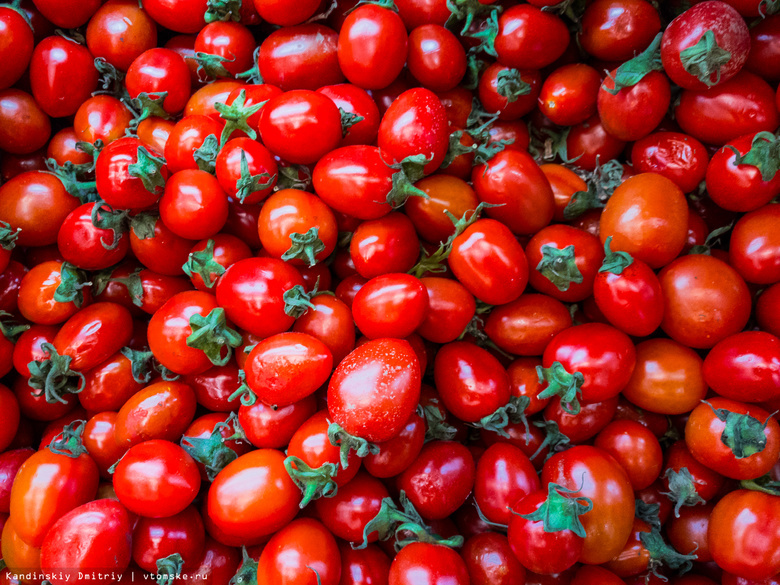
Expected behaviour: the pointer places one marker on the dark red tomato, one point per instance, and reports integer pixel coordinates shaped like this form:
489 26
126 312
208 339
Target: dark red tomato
217 564
100 443
67 13
590 144
439 480
706 45
302 553
125 177
37 203
395 455
754 245
472 383
285 12
738 440
375 389
743 105
13 165
300 57
157 538
267 428
162 410
181 16
743 534
330 321
450 309
705 300
214 387
160 70
87 246
10 409
436 58
355 504
372 46
237 293
156 479
62 75
568 94
504 476
33 405
16 48
615 30
94 538
636 448
685 481
101 117
428 563
538 545
24 126
487 259
253 497
633 112
526 325
415 124
647 216
231 44
94 334
741 186
259 162
767 310
10 462
513 180
47 486
530 38
688 532
490 560
119 31
764 57
745 366
630 298
193 206
368 566
390 305
510 93
676 156
188 135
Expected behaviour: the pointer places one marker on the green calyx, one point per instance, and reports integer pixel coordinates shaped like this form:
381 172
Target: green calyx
236 116
204 265
143 224
8 235
52 377
206 156
134 285
554 440
212 451
10 328
764 154
634 70
142 364
169 568
712 240
75 180
602 182
294 177
682 489
314 483
615 262
243 392
110 80
305 246
408 172
297 301
648 513
223 11
404 524
512 412
563 384
146 105
437 428
147 168
764 484
434 262
213 66
348 119
247 571
73 281
549 144
104 217
463 13
560 512
511 85
663 555
340 438
212 336
742 433
68 442
252 76
249 183
705 59
474 68
559 266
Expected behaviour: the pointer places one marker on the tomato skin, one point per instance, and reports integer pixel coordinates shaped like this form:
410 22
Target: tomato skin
598 477
384 245
506 175
330 322
187 135
440 479
568 95
46 487
676 156
120 31
160 70
487 259
230 40
428 563
95 537
590 143
444 193
753 246
162 410
149 251
743 534
259 160
390 305
193 206
369 566
377 407
504 475
101 117
287 367
18 555
201 102
764 57
68 13
354 505
398 453
636 448
490 560
10 409
436 57
632 113
718 293
372 47
688 532
495 103
614 30
85 246
156 479
253 496
525 326
115 184
450 309
100 443
18 40
156 538
262 315
742 105
355 100
266 428
745 367
530 38
285 13
10 462
731 34
647 217
181 16
31 126
667 378
300 57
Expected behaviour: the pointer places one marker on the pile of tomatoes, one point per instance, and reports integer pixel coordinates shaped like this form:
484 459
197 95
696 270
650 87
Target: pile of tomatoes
433 292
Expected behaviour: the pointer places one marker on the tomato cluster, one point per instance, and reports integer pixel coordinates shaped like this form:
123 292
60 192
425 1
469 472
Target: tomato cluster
433 292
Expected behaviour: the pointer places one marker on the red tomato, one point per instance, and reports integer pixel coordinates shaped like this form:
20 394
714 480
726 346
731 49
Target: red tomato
251 183
633 112
16 48
676 156
754 245
181 16
24 126
157 538
431 563
390 305
636 448
745 366
490 560
568 95
120 31
504 476
530 38
384 245
397 454
158 71
615 30
450 309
